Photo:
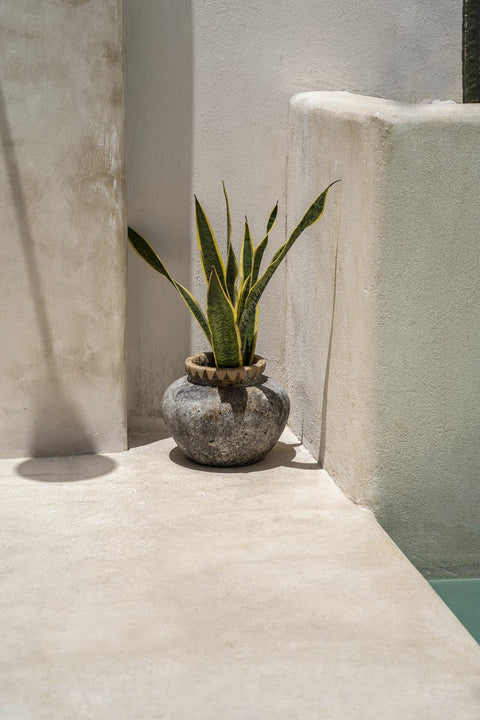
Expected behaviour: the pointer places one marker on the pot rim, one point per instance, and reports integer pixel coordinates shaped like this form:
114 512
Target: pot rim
201 371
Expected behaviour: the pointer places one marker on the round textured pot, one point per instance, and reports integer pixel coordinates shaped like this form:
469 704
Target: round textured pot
225 417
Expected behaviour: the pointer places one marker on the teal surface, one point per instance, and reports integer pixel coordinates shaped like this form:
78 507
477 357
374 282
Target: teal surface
463 599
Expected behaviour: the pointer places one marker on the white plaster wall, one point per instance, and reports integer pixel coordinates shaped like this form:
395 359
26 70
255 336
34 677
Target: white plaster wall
385 380
62 227
209 83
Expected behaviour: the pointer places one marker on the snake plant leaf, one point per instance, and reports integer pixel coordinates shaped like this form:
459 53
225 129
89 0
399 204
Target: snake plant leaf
261 247
246 254
225 342
251 340
257 259
232 265
209 252
141 246
229 221
272 218
232 274
242 296
313 214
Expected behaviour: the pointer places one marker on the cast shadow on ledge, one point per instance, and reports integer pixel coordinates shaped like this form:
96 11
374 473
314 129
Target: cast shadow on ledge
282 455
66 469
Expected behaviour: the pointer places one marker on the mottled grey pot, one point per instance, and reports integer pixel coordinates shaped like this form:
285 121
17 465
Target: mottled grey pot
225 426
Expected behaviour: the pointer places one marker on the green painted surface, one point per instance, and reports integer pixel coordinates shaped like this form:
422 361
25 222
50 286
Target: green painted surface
463 599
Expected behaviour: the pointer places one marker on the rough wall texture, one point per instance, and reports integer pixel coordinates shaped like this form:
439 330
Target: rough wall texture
159 130
385 380
208 91
62 227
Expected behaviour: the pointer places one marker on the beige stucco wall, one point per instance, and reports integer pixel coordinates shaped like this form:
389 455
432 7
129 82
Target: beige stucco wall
159 77
383 329
208 87
62 227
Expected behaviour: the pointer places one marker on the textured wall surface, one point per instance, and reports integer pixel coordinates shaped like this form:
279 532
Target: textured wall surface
62 227
159 130
383 330
207 100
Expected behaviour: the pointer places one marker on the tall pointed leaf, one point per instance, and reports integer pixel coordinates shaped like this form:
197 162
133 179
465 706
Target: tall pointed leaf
232 266
229 221
232 274
313 214
242 296
226 344
272 218
257 259
251 340
209 252
246 254
141 246
261 247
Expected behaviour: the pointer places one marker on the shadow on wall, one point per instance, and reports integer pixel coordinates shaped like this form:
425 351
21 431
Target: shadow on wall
159 113
56 427
326 379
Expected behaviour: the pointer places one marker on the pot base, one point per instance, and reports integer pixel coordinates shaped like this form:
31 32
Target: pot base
225 427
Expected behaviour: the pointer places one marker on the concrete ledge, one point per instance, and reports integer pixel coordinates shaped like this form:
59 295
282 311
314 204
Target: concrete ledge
384 367
138 586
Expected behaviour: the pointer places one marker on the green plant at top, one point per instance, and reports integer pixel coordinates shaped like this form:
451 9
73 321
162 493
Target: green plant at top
471 51
231 321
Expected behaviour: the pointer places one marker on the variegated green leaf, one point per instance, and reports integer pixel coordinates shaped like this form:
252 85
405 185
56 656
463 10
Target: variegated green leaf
141 246
251 340
272 218
232 274
261 247
226 344
257 259
209 252
229 221
242 296
246 254
313 214
232 266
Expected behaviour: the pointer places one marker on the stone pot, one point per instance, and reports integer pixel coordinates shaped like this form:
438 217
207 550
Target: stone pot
225 417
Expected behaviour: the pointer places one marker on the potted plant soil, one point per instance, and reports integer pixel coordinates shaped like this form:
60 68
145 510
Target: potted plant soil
225 411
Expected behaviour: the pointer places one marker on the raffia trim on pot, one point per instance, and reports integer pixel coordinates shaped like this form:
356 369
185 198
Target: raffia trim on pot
201 370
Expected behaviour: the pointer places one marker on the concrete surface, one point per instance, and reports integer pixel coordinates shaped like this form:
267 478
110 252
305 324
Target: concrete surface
136 585
383 331
62 227
208 86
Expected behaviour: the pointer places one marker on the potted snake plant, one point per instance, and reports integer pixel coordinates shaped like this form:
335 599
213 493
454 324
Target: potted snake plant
225 411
